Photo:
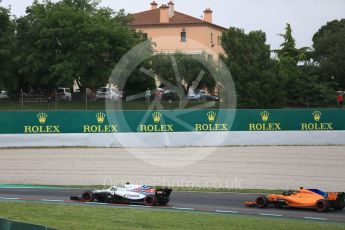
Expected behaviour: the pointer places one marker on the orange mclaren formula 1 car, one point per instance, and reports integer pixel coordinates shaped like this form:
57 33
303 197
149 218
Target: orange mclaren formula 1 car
302 198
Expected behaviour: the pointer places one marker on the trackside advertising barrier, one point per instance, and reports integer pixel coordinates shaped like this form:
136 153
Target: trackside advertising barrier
81 122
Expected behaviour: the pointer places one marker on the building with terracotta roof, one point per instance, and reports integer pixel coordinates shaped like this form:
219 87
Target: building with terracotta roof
173 31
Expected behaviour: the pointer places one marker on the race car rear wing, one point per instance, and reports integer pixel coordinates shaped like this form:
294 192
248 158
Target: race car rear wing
163 195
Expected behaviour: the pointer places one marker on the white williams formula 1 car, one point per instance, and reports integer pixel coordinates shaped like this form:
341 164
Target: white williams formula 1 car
130 193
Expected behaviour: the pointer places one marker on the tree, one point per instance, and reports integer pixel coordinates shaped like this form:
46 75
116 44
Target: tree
138 82
263 82
288 47
186 71
71 40
303 86
7 46
253 71
329 52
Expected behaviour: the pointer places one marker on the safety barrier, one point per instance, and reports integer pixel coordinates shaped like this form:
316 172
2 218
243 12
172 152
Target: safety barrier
172 128
170 121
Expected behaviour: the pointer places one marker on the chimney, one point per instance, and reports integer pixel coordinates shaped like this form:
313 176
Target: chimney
208 15
171 9
154 5
164 14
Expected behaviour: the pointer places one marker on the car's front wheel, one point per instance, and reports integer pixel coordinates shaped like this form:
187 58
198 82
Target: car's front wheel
261 202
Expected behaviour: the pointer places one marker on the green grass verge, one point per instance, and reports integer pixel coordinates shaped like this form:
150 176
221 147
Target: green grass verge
86 217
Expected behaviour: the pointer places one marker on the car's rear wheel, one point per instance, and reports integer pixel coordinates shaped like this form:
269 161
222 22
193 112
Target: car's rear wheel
261 202
88 196
322 205
150 200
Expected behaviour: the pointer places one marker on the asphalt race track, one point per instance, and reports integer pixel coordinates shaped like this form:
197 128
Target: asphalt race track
255 167
226 203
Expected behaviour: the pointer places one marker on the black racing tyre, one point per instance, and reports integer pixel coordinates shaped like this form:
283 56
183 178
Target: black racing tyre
322 205
150 200
88 196
261 202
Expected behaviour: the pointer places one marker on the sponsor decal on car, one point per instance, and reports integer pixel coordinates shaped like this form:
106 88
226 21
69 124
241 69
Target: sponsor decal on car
131 195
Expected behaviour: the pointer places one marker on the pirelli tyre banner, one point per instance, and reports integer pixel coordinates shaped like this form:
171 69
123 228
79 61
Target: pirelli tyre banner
170 121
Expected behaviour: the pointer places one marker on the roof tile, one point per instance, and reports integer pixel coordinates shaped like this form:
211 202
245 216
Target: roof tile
151 17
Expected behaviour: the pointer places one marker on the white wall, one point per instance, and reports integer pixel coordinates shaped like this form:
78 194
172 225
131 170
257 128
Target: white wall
182 139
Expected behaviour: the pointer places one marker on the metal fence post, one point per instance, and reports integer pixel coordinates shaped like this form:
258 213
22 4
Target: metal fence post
86 102
22 97
180 101
55 99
